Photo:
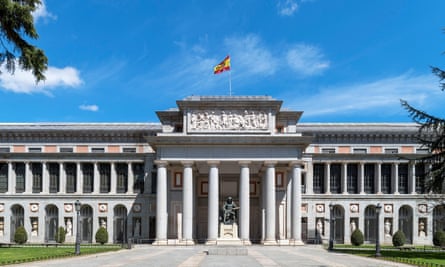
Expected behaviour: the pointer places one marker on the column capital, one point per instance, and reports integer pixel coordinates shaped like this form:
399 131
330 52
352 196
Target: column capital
270 163
187 163
296 163
161 163
244 163
213 163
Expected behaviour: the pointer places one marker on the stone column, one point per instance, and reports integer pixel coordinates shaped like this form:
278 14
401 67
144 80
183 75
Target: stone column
96 178
45 178
296 204
344 178
161 204
79 178
113 178
244 196
11 178
395 179
187 203
130 178
270 204
412 177
361 178
212 222
28 178
379 178
327 178
62 176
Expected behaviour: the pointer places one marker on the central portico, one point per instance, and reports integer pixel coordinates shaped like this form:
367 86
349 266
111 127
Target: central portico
213 147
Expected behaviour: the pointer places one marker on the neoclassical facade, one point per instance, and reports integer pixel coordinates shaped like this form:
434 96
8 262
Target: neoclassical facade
165 183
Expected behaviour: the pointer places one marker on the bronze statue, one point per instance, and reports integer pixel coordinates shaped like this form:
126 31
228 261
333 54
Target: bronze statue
229 211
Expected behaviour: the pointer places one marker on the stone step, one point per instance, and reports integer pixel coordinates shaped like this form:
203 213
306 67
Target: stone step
229 251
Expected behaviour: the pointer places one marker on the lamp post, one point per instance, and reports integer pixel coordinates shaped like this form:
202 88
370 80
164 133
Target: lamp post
378 208
331 228
77 247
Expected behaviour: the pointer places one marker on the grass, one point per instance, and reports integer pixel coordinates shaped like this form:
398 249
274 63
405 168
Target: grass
21 254
420 256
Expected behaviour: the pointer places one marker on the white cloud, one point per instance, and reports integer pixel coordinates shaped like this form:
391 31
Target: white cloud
93 108
306 60
24 82
287 7
42 13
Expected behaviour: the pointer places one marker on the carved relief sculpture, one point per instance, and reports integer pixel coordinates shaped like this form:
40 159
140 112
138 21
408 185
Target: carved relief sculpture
231 120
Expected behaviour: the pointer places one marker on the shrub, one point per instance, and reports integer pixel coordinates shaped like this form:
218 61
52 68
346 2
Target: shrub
20 236
102 236
398 239
60 235
439 239
357 237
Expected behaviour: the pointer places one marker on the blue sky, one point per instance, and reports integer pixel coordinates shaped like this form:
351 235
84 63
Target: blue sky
338 61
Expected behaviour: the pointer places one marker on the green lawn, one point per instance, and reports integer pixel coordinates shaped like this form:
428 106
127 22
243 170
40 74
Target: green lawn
21 254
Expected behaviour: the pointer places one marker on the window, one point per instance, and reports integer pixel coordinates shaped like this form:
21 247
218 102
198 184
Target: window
318 182
66 150
352 176
328 150
97 149
420 178
177 180
403 178
5 149
139 173
422 151
129 150
88 177
36 169
360 151
34 149
54 176
386 178
369 178
122 177
105 177
71 177
3 177
20 177
335 179
391 151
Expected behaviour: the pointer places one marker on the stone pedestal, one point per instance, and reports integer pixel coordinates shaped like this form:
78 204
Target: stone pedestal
228 234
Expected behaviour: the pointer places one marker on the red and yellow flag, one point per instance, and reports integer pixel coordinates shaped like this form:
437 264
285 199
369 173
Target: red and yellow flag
223 66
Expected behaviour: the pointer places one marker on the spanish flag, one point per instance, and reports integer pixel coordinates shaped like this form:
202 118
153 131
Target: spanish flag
224 65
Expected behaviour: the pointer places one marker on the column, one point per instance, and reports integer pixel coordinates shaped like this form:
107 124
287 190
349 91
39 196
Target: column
296 204
310 178
395 180
62 175
130 179
187 203
344 178
361 177
45 178
212 222
379 178
244 197
28 178
11 178
79 178
161 204
270 204
113 178
96 178
412 177
327 178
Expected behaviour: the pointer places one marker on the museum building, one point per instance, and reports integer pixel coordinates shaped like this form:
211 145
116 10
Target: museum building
166 183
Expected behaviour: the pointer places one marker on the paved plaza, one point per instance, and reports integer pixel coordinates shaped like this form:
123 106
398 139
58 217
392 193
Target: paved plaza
198 256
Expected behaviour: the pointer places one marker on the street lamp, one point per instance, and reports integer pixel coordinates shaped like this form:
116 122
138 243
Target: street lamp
378 208
331 228
77 248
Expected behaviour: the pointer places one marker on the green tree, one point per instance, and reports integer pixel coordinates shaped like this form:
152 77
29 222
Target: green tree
398 239
20 235
60 235
16 28
431 135
357 237
102 236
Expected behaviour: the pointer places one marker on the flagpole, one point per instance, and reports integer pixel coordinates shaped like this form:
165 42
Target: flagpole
230 83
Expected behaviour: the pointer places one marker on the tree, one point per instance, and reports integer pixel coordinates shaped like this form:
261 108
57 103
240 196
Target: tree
398 239
102 236
431 135
20 235
16 26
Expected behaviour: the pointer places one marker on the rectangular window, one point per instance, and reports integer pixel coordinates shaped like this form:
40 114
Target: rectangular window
54 177
422 151
403 178
36 169
352 177
5 149
335 179
318 182
88 177
66 150
139 175
122 177
369 178
177 180
105 177
391 151
97 149
71 177
3 177
20 177
328 150
129 150
360 151
386 178
420 178
34 149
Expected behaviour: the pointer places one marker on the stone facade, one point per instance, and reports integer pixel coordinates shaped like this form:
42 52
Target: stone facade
165 183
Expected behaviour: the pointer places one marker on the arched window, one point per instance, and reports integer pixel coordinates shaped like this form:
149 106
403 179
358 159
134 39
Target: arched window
51 223
370 224
86 222
120 224
439 218
339 223
17 219
406 222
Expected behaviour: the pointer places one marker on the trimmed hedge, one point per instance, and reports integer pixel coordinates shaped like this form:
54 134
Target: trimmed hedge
60 235
20 236
357 238
102 236
439 239
398 239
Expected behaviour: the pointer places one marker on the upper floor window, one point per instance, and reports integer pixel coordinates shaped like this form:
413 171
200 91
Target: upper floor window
34 149
97 149
391 151
328 150
5 149
360 150
129 150
422 151
66 149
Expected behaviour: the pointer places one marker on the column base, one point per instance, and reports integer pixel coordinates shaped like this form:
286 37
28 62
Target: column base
160 242
211 242
270 242
186 242
293 242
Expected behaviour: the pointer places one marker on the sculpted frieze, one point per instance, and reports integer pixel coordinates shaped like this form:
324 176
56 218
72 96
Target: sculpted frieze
228 120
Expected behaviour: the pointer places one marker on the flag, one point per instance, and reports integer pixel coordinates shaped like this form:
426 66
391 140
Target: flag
224 65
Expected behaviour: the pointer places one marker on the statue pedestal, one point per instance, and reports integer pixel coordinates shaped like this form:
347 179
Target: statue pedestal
228 234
